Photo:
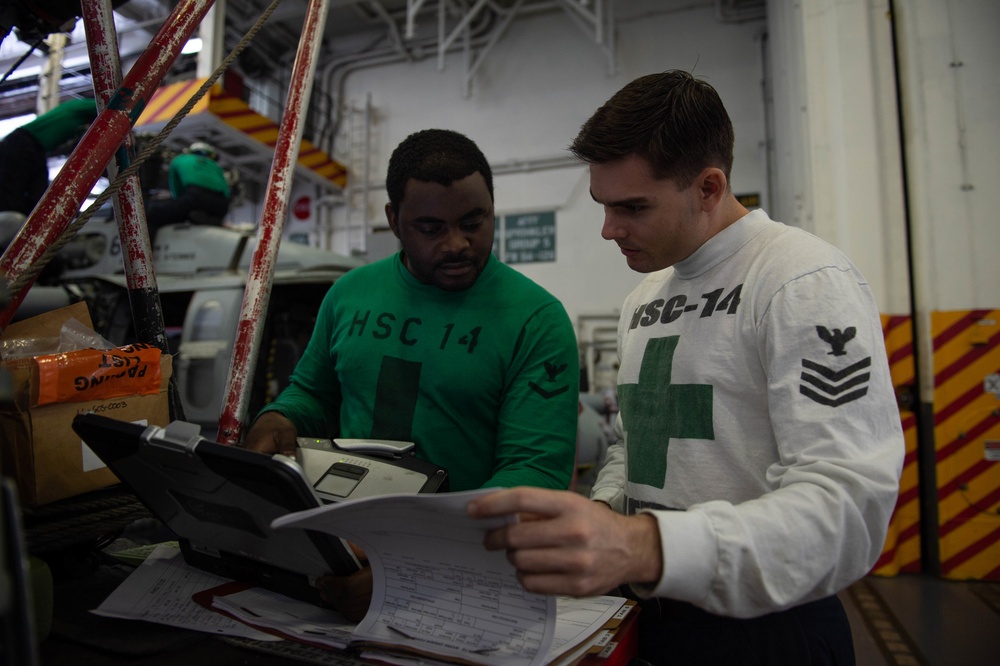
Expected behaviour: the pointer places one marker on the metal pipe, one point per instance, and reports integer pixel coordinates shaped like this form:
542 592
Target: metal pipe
144 298
463 23
250 326
412 7
87 162
923 342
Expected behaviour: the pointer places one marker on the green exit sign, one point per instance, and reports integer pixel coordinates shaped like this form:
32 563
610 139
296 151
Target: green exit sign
529 238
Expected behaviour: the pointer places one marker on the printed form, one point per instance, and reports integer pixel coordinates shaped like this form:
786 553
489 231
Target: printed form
436 588
160 590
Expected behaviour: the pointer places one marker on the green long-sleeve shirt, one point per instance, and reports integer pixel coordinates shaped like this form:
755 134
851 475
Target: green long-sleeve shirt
484 381
67 121
189 169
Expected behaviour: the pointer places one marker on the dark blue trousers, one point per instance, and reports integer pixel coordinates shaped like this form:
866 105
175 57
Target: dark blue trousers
161 212
24 172
677 633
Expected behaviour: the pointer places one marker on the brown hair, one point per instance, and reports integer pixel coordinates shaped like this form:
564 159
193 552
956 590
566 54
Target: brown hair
674 121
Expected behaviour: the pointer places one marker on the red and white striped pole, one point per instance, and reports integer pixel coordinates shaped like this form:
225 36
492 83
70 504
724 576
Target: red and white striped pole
144 299
249 331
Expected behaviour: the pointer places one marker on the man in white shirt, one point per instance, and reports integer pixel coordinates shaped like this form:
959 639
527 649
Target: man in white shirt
760 445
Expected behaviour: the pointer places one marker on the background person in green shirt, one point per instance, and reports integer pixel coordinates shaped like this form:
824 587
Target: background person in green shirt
24 169
197 185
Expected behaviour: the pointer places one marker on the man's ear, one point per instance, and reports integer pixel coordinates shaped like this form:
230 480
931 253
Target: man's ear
712 186
390 216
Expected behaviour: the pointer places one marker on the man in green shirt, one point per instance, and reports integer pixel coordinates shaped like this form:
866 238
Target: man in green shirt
440 344
24 169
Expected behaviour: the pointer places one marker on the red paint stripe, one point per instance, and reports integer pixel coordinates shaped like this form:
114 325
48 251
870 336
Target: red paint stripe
262 125
966 360
182 94
903 537
904 498
907 496
958 404
885 558
907 534
992 575
967 554
958 327
241 112
894 322
901 354
255 130
227 115
968 436
965 477
985 504
911 532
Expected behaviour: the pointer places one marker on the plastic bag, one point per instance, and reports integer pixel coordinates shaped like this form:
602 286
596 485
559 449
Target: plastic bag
73 335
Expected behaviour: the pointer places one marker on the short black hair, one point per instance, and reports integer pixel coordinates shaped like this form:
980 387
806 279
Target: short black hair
434 156
674 121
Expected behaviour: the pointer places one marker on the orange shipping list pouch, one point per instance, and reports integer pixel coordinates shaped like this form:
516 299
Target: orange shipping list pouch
97 374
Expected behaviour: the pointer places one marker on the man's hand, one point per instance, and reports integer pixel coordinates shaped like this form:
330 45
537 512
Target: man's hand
567 544
272 432
350 595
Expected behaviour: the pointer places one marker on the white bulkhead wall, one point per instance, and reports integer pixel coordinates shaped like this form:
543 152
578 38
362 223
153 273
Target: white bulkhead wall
812 94
542 80
837 169
950 59
840 169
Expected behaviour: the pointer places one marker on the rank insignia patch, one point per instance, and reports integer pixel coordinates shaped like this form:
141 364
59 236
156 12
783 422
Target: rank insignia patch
833 386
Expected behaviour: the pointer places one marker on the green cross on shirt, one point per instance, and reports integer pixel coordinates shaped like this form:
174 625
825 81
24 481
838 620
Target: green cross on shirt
654 410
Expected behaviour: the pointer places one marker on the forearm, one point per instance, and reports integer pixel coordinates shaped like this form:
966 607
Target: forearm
754 558
645 553
610 484
312 416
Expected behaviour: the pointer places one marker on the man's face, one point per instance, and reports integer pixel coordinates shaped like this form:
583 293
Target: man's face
446 231
653 222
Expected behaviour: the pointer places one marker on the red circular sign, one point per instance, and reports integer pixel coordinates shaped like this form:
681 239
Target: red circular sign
302 208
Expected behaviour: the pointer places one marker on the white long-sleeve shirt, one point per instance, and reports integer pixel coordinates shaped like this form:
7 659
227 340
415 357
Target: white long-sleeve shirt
759 421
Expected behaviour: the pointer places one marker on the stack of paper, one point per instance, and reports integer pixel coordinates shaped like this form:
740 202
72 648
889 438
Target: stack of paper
438 594
582 625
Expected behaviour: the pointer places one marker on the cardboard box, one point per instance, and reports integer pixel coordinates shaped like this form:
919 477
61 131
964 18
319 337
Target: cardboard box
38 447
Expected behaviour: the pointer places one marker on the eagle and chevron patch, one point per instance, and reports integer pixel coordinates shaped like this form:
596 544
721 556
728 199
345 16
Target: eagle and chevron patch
832 385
